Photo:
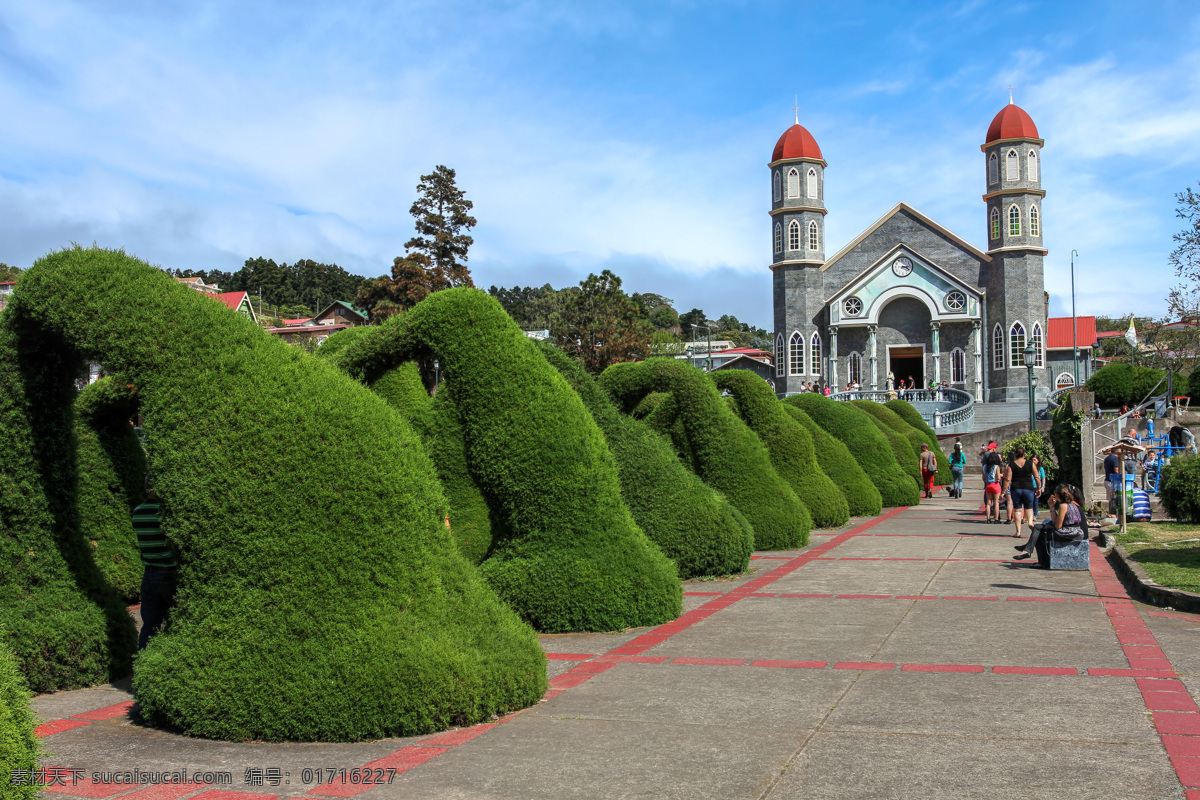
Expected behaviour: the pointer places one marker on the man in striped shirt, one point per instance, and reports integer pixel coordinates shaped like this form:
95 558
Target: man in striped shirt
159 577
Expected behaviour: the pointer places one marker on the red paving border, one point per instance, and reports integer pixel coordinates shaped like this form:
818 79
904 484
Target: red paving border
1175 715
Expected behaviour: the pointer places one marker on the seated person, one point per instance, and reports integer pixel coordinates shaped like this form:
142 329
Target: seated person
1066 524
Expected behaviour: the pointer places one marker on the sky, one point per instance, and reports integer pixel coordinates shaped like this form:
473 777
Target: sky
631 136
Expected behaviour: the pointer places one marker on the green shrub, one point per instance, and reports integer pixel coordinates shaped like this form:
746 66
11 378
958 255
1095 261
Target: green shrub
1179 488
1124 384
648 405
716 445
19 749
905 413
691 523
1147 381
112 469
862 497
867 444
1035 444
1065 438
320 597
789 444
906 458
571 558
1193 385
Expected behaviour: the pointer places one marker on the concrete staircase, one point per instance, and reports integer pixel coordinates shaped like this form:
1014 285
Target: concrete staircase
994 415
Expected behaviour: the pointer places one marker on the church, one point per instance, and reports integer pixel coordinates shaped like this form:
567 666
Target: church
907 296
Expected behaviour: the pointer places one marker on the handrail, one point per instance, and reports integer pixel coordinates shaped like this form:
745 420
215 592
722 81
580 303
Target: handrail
962 412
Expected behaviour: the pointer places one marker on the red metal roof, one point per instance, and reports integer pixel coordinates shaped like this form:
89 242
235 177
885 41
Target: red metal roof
1058 332
296 321
8 283
233 299
1012 123
797 142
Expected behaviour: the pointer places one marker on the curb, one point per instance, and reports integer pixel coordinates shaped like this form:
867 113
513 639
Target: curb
1146 590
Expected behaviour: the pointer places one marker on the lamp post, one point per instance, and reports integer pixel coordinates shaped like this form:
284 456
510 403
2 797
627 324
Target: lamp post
1030 353
1074 324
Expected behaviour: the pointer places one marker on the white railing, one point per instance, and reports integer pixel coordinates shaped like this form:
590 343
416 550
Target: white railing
941 408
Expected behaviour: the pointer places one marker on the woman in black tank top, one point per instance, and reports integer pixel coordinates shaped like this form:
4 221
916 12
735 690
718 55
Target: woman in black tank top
1021 479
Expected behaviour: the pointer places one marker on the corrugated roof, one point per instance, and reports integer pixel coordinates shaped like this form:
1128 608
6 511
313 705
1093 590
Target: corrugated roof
1059 332
233 299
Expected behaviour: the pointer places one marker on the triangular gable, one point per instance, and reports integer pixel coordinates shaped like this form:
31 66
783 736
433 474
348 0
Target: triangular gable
928 282
964 244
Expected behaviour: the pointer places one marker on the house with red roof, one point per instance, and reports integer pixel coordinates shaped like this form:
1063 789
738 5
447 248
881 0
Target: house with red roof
239 302
1070 342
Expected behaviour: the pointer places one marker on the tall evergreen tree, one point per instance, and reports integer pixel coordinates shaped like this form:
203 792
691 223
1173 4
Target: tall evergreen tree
600 324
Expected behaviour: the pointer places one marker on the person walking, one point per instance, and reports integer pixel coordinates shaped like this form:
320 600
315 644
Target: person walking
992 472
928 469
958 465
160 573
1021 481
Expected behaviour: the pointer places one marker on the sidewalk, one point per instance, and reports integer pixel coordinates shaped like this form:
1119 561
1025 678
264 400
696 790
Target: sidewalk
905 656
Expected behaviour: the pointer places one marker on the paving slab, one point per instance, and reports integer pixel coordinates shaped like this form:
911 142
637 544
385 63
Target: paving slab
968 578
859 577
864 767
60 705
1179 640
889 547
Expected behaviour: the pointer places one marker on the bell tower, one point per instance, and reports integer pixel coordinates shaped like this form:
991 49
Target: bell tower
798 251
1016 307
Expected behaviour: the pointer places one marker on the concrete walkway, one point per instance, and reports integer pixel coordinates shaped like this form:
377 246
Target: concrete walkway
901 657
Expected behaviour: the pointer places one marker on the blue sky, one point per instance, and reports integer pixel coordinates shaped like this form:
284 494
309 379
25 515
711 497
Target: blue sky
625 135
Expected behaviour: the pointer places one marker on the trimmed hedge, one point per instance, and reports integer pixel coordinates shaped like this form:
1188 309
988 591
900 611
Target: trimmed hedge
112 469
572 558
1179 488
1120 383
905 413
716 444
867 444
906 457
862 498
66 626
19 748
320 597
789 444
693 525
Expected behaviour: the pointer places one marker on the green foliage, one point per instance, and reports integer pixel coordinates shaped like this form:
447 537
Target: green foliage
1193 385
64 623
600 325
691 523
1037 444
19 748
862 498
906 457
572 557
307 282
1065 439
9 273
112 468
866 443
912 419
1179 488
319 598
716 445
789 444
648 404
1124 384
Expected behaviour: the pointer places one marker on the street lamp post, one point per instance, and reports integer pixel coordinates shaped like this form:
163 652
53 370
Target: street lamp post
1074 324
1030 353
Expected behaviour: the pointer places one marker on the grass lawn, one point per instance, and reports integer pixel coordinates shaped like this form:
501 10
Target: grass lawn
1168 551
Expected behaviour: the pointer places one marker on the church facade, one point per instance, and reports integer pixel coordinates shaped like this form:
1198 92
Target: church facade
908 296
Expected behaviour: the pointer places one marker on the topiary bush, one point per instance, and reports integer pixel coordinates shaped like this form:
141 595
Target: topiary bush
1179 488
112 470
571 557
320 597
910 417
789 444
692 524
862 498
1113 384
906 457
866 443
715 444
19 749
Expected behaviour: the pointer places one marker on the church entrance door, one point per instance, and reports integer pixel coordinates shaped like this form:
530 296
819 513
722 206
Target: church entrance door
907 362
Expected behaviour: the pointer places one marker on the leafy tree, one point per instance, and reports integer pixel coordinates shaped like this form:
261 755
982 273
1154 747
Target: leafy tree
690 318
1184 300
306 283
435 259
664 318
8 273
600 325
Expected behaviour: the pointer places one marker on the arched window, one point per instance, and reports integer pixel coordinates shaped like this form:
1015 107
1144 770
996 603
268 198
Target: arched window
1064 380
814 364
1014 220
1035 338
778 238
995 223
793 235
993 168
813 242
793 183
1035 227
855 371
776 186
1012 169
796 354
780 356
811 188
1033 165
958 365
1016 345
997 347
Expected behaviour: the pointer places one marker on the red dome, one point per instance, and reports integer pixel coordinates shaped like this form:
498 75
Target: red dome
796 142
1012 123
